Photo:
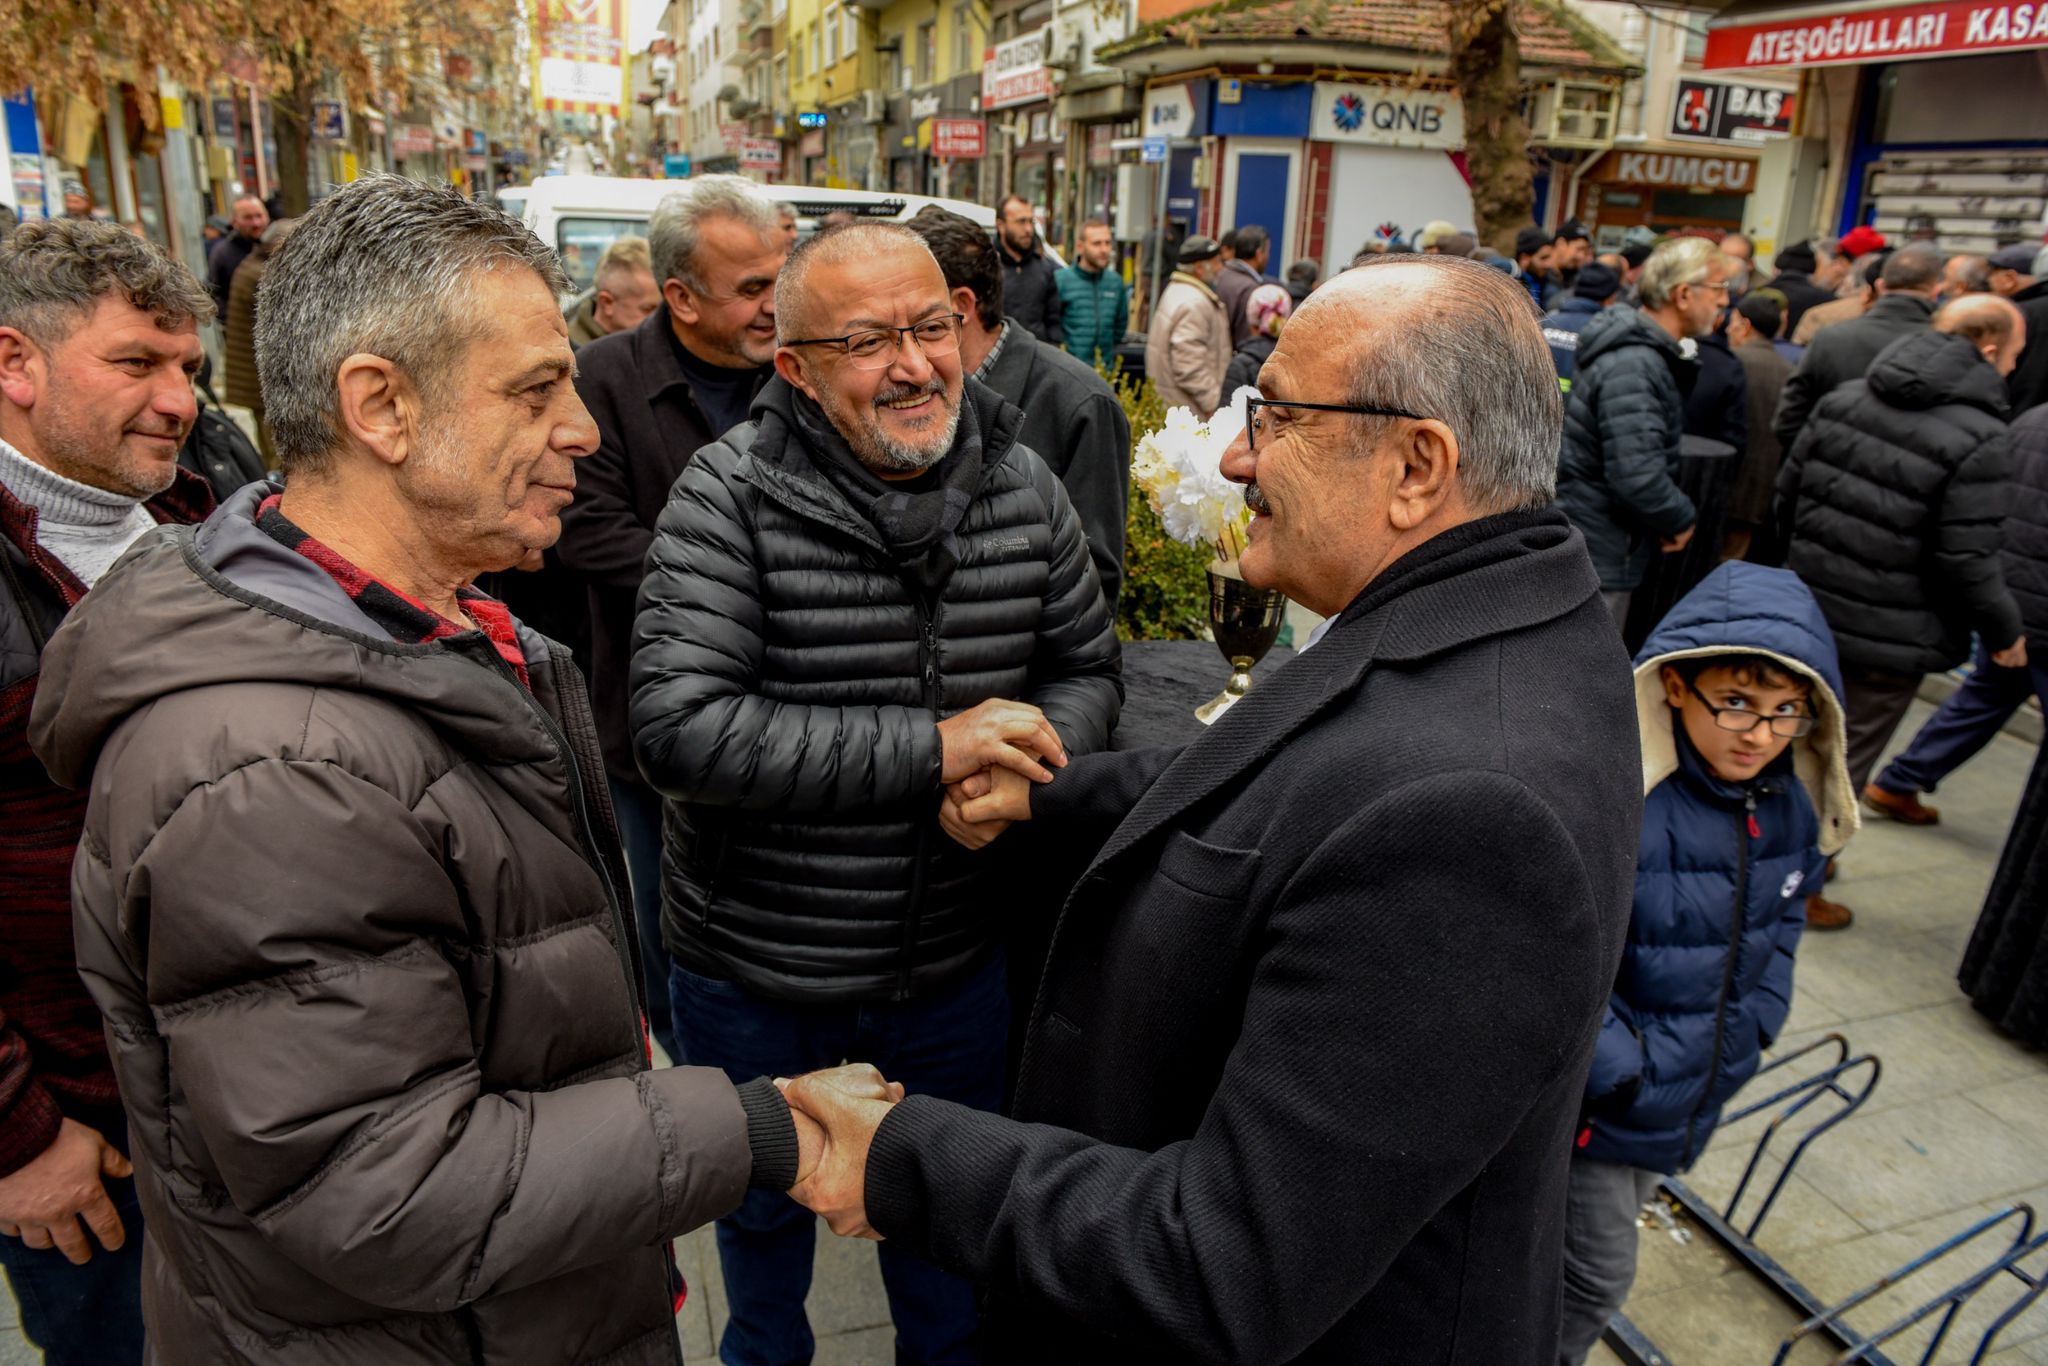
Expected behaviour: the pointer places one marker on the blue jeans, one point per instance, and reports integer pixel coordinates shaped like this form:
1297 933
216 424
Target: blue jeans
948 1045
1965 723
87 1315
639 812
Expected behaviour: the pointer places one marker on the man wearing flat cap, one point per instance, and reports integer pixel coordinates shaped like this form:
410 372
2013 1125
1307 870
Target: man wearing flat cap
2017 273
1188 347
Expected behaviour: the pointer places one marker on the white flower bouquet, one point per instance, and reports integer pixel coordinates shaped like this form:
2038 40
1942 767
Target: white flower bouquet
1180 467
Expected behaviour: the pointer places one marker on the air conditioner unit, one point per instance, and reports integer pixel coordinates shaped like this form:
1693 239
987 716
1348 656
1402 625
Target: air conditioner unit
874 106
1573 114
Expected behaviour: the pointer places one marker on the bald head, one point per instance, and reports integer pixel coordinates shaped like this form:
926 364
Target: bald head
798 313
1455 340
1991 324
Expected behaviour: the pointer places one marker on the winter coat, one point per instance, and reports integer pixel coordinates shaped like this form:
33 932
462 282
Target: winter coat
1075 423
1561 333
1031 291
2026 526
1722 874
2027 385
1821 317
1765 373
1250 358
223 259
788 680
1187 347
1845 352
1892 504
1234 285
1617 472
1717 407
1300 1082
53 1053
582 318
1095 312
352 911
1801 293
649 425
238 332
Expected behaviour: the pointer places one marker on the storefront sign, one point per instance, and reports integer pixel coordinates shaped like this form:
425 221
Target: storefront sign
732 135
923 107
411 139
811 144
1169 111
327 120
760 154
1387 116
1014 73
1665 170
223 120
1906 32
959 139
1722 111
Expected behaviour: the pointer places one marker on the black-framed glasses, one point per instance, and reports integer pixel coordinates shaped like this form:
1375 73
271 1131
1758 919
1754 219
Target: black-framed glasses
1254 424
1742 722
876 348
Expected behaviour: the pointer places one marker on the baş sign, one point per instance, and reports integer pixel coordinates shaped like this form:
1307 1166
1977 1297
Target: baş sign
1909 31
1388 115
1722 111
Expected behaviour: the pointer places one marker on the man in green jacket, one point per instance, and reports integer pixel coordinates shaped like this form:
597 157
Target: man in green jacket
1096 303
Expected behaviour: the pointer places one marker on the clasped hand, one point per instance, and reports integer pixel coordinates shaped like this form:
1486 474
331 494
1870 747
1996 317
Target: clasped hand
990 763
837 1112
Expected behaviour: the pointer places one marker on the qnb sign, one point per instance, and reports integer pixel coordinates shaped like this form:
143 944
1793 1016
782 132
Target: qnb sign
1730 175
1387 115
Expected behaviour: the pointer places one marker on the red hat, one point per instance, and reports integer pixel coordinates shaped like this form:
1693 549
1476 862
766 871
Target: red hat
1861 241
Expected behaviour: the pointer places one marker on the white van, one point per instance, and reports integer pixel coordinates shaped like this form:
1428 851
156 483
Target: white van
581 215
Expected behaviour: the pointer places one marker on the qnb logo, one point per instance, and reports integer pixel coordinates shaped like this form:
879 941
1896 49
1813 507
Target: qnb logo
1349 113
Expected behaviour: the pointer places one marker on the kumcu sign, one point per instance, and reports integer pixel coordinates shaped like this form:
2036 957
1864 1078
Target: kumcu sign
1945 28
1666 170
1724 111
1388 115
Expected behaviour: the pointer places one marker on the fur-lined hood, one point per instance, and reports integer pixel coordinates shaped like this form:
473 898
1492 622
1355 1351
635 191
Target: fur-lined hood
1748 609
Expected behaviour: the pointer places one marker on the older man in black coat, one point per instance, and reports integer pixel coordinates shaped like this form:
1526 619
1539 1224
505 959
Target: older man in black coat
1301 1080
1909 282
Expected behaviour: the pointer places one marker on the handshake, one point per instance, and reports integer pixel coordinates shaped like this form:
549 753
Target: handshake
837 1112
990 758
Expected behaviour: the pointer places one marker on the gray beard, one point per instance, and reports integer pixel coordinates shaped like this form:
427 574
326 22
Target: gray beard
886 453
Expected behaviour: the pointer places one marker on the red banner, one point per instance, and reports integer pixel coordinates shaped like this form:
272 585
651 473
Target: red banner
579 55
959 139
1942 29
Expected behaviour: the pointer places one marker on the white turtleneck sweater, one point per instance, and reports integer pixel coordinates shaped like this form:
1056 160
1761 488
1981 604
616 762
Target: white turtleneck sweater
85 527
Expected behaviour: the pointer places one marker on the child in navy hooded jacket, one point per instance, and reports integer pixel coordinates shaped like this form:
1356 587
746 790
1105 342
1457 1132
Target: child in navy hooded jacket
1745 796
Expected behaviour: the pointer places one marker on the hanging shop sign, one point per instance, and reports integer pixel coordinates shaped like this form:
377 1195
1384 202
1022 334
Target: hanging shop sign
1170 111
1387 116
1667 170
411 139
579 55
760 154
1907 32
1725 111
959 139
1014 73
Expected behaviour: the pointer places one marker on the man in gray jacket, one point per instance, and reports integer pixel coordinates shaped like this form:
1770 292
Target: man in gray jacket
349 894
869 591
1072 419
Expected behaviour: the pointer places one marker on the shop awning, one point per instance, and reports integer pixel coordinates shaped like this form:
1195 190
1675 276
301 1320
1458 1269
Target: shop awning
1551 36
1753 36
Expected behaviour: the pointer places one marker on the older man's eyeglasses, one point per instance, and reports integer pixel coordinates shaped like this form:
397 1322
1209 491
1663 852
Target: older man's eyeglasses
1742 722
877 348
1255 420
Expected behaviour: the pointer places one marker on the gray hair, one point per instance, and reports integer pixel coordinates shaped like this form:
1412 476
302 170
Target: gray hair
384 266
54 272
1474 359
1676 261
830 247
678 223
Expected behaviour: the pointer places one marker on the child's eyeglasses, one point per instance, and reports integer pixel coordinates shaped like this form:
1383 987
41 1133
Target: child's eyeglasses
1735 719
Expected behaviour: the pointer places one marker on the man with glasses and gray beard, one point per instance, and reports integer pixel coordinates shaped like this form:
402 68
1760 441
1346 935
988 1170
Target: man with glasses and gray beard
868 592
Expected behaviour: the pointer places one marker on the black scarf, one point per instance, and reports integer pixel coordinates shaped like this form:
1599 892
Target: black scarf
916 518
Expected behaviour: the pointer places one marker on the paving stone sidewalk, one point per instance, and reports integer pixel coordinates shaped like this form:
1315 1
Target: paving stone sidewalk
1957 1127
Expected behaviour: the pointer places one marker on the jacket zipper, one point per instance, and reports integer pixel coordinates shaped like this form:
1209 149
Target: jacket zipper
1744 830
928 649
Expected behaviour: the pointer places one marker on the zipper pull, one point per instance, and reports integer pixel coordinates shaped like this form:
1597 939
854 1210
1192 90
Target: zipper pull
1755 831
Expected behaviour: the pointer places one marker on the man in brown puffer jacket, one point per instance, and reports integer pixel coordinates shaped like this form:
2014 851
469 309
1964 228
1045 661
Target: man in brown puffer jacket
238 332
349 893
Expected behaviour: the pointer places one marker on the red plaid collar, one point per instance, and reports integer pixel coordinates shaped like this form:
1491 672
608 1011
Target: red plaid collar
402 617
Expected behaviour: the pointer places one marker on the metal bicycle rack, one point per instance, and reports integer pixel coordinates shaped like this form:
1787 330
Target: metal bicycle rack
1845 1081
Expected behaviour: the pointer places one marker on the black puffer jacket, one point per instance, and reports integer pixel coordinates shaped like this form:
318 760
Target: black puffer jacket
2026 525
787 685
1845 352
1617 471
1892 504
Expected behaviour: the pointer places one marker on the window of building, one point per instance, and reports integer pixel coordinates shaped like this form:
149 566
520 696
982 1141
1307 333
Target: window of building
963 40
817 51
796 57
781 78
927 52
831 35
850 37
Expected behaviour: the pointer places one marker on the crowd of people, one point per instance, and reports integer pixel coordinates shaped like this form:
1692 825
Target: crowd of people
723 673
